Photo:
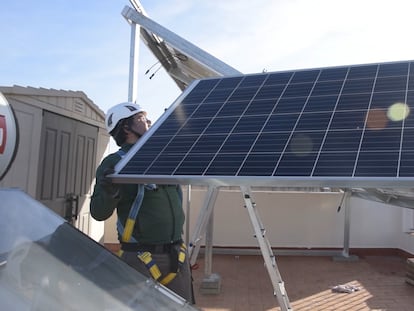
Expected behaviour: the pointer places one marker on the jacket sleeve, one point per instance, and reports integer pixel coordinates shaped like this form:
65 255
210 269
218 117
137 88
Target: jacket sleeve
103 204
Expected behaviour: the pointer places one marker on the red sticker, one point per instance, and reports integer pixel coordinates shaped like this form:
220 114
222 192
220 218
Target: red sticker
3 134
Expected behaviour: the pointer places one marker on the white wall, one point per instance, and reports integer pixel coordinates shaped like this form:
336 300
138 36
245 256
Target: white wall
306 220
299 220
406 241
290 219
374 224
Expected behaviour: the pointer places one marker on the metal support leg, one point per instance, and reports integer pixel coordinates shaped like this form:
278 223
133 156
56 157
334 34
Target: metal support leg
267 253
347 225
187 216
347 229
211 283
203 218
208 254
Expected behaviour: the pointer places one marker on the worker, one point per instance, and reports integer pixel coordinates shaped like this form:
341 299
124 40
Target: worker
150 218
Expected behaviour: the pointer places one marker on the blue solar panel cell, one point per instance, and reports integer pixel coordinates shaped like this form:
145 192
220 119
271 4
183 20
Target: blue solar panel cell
221 125
409 110
408 139
250 124
391 84
158 143
259 164
225 164
410 85
353 102
393 69
270 143
298 90
270 92
327 88
361 72
229 83
208 143
296 164
304 76
348 120
321 103
204 111
345 141
293 105
246 94
333 74
253 81
201 90
303 143
339 122
381 140
386 99
194 164
358 86
192 126
179 143
278 78
165 163
281 122
375 164
238 143
217 96
335 164
260 107
407 164
317 121
172 125
231 109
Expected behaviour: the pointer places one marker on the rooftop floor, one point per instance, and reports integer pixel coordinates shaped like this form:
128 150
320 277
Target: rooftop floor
246 286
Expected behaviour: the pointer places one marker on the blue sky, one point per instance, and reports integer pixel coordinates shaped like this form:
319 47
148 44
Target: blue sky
83 45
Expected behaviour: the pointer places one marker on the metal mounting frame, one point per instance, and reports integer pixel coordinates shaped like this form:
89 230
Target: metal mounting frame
204 228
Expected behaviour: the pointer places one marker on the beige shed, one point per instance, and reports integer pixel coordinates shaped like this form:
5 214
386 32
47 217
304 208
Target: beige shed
62 139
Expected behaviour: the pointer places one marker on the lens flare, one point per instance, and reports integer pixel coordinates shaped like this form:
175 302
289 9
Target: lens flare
376 119
398 111
301 145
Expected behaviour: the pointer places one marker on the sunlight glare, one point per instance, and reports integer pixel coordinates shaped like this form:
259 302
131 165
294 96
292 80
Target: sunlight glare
398 112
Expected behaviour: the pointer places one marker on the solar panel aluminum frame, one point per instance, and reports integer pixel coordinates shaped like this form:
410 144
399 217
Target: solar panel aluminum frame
253 181
182 60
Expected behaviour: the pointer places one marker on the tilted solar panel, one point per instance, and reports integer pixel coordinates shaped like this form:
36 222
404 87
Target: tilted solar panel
335 126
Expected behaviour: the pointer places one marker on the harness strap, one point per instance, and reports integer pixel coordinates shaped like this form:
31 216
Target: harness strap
130 222
133 212
152 267
181 258
155 272
126 232
146 256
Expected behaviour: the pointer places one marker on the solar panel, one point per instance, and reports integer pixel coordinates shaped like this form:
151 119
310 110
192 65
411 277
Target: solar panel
335 126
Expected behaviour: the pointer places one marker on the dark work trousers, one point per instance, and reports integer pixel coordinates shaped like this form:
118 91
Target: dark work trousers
181 284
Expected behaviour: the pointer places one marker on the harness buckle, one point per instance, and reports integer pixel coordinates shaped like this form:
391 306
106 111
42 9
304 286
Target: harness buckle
177 260
152 267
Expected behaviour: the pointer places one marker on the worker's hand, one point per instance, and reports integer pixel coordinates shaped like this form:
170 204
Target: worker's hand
106 183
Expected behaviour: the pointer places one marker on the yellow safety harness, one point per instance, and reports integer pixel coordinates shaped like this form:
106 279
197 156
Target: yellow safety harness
145 256
155 272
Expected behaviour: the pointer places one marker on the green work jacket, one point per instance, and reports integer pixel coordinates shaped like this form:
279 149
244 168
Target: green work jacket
161 217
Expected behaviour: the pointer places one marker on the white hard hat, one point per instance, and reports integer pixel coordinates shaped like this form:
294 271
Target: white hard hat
119 112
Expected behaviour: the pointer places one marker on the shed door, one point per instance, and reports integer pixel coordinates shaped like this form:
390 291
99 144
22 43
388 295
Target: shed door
67 167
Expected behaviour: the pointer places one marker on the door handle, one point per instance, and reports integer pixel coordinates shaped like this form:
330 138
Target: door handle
71 207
